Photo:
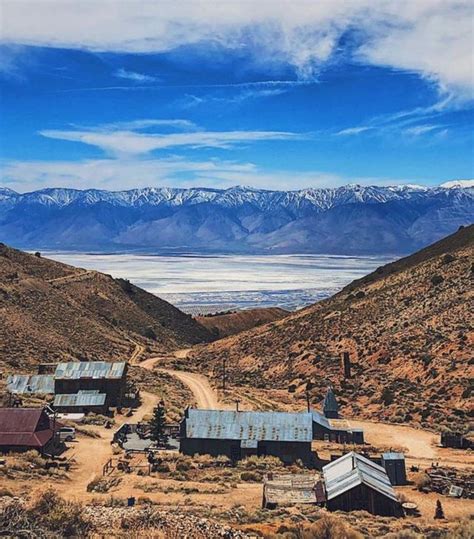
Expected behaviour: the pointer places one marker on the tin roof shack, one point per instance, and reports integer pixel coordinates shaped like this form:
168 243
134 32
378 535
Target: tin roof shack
335 430
355 483
26 384
394 464
240 434
107 378
22 429
82 402
292 489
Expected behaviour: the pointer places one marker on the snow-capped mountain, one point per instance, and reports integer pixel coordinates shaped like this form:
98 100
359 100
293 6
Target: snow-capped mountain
352 219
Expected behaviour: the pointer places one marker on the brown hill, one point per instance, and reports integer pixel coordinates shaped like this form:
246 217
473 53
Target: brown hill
51 311
409 330
223 325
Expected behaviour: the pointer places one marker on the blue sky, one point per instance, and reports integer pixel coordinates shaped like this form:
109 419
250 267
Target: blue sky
282 95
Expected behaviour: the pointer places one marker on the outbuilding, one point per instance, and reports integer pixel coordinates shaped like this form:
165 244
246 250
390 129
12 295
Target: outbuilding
82 402
22 429
335 430
238 434
355 483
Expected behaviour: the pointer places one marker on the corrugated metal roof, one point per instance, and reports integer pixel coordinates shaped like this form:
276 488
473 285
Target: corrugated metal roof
26 383
352 470
393 456
75 370
82 398
29 427
233 425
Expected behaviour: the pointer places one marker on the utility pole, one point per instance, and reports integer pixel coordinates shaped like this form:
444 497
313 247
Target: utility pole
223 374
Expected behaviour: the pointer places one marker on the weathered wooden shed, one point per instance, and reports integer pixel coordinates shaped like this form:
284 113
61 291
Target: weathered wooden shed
238 434
355 483
104 377
394 464
280 490
335 430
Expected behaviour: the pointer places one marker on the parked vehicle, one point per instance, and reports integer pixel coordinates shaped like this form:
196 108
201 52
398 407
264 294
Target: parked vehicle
67 434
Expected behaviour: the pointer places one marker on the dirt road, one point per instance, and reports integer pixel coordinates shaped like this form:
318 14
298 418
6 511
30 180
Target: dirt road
205 396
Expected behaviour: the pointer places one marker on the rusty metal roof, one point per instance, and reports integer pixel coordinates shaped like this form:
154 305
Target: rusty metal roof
29 427
352 470
82 398
75 370
28 384
245 425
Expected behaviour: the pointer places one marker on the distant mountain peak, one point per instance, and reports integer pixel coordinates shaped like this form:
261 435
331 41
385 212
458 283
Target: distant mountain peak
458 184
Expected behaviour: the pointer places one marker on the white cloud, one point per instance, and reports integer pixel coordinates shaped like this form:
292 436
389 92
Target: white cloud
354 130
429 37
132 143
133 76
421 129
129 173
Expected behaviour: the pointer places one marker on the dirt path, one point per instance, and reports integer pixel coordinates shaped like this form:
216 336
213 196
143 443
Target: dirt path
73 277
205 396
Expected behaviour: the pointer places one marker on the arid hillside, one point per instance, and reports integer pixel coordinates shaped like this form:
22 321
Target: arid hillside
223 325
51 311
408 328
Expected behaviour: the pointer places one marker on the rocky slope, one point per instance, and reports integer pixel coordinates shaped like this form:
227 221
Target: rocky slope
223 325
351 219
51 311
409 330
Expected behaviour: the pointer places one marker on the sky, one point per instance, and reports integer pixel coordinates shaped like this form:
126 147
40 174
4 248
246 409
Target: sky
275 94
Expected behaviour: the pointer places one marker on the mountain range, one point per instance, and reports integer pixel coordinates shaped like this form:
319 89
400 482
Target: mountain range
352 219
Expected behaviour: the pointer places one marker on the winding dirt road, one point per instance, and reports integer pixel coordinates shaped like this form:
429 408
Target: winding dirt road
205 396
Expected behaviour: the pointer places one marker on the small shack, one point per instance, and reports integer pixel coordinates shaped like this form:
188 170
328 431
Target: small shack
292 489
355 483
335 430
394 464
82 402
22 429
238 434
457 440
101 376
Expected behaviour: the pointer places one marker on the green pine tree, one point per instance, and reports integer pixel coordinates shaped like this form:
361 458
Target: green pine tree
158 425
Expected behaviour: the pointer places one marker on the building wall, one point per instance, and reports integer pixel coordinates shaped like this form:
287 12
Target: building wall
288 452
115 389
362 498
338 436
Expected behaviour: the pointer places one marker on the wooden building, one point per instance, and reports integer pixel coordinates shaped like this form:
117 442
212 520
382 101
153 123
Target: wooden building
355 483
394 464
329 426
282 490
22 429
100 376
239 434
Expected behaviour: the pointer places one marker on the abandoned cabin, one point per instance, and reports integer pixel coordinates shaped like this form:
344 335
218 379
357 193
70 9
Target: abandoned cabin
332 428
238 434
22 429
91 385
280 490
355 483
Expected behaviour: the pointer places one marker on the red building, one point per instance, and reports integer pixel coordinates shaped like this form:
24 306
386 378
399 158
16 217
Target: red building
26 428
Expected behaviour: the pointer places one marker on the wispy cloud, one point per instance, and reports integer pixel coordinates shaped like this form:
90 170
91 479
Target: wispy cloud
354 130
128 173
123 138
421 129
432 38
134 76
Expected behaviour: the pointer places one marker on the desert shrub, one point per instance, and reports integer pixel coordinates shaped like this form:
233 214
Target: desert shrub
53 513
387 396
360 294
422 480
464 530
448 258
325 528
149 333
6 492
183 465
101 484
254 477
261 463
436 280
